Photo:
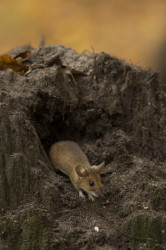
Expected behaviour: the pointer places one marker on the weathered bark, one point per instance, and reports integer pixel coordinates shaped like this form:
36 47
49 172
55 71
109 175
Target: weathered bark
117 113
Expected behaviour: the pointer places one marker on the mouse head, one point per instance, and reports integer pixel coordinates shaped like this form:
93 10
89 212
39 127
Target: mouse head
90 179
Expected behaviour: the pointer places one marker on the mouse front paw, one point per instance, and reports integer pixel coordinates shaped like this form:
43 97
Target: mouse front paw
91 197
81 194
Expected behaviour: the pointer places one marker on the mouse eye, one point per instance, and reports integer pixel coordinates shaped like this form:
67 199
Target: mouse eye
91 183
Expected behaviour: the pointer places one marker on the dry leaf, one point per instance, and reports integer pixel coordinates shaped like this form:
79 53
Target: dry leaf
8 62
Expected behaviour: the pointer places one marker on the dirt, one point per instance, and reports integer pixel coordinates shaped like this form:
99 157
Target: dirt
116 113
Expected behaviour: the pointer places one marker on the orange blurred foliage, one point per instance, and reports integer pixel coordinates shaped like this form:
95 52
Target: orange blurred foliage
128 29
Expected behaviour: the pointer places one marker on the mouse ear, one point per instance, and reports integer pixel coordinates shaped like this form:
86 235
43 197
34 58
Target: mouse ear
81 171
99 167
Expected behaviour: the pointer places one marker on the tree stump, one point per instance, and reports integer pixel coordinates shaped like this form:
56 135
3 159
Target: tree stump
116 112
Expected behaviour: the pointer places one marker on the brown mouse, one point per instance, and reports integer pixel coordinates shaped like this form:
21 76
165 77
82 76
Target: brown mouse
68 157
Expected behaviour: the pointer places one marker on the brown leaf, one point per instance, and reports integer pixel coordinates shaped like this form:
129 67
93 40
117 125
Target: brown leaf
8 62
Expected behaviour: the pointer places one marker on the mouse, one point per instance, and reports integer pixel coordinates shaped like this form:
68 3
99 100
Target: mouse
68 157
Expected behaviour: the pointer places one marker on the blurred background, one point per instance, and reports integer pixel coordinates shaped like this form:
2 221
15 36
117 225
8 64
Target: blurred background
129 29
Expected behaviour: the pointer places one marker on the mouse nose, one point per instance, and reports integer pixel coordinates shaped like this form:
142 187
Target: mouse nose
99 191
